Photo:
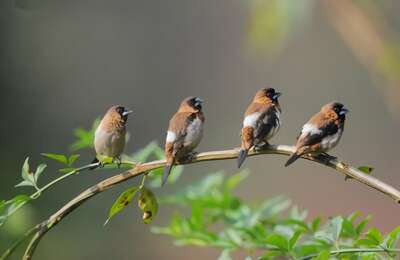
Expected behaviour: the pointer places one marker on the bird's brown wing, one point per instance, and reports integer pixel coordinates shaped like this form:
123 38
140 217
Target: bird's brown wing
265 124
179 124
310 139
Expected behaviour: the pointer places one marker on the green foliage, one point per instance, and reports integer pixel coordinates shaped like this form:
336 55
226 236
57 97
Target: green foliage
7 208
84 138
366 169
30 178
220 219
147 202
153 151
68 161
123 200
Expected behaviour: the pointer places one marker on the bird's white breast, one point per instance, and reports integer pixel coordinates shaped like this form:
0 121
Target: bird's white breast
194 133
331 141
251 120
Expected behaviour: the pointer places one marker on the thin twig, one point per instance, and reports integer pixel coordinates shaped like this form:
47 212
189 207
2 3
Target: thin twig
141 169
354 250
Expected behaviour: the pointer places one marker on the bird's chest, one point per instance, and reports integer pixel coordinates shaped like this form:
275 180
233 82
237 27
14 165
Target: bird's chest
109 143
331 141
194 133
275 125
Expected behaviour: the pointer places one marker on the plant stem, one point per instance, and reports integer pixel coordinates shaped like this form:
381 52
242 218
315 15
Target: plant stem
11 249
355 250
141 169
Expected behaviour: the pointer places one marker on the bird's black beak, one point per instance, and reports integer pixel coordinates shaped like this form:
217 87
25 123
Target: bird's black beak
344 111
277 95
126 112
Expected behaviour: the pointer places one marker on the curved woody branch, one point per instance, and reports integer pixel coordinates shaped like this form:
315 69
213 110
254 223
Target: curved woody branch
348 171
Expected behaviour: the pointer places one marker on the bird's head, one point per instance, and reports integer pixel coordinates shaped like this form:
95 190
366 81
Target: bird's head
267 95
118 114
335 108
191 104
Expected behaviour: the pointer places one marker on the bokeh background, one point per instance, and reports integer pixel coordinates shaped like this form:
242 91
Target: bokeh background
63 63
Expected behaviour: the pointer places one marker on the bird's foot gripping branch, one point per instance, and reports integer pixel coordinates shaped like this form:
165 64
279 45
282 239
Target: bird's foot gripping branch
246 228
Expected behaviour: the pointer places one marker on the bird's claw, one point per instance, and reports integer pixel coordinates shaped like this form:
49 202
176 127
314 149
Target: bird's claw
188 157
261 146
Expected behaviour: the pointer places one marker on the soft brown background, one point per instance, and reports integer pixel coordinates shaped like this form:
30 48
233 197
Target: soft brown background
63 63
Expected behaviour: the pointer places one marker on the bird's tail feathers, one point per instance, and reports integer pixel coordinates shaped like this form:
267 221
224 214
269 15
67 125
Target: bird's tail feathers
292 158
242 156
167 171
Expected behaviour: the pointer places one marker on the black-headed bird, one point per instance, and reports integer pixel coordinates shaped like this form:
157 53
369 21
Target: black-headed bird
110 135
261 122
322 132
184 133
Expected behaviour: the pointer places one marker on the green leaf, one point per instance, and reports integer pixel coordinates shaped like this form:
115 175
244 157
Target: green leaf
156 176
332 231
147 202
123 200
24 183
39 170
366 169
375 235
391 239
10 206
26 174
361 226
293 240
144 154
56 157
271 255
279 241
315 224
105 159
236 179
324 255
84 138
72 159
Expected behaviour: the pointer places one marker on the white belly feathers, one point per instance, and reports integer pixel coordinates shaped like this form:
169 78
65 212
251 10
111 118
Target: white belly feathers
194 133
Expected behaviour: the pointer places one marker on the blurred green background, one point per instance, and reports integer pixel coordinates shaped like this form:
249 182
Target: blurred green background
63 63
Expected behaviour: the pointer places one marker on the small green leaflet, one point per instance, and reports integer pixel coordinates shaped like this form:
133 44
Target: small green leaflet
7 208
84 138
148 203
366 169
279 241
123 200
69 161
30 178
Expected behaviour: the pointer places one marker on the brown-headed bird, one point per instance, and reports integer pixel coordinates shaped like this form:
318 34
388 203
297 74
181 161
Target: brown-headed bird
109 138
322 132
261 121
184 133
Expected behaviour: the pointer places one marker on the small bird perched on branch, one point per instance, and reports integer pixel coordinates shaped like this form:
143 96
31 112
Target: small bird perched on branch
184 133
261 121
322 132
109 138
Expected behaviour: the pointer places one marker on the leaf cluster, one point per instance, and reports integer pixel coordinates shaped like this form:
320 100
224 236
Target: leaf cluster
272 229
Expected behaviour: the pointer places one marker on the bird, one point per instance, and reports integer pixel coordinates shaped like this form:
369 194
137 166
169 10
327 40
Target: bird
261 122
185 132
322 132
110 135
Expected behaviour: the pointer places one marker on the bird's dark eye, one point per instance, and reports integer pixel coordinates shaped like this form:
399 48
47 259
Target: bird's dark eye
120 110
270 92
